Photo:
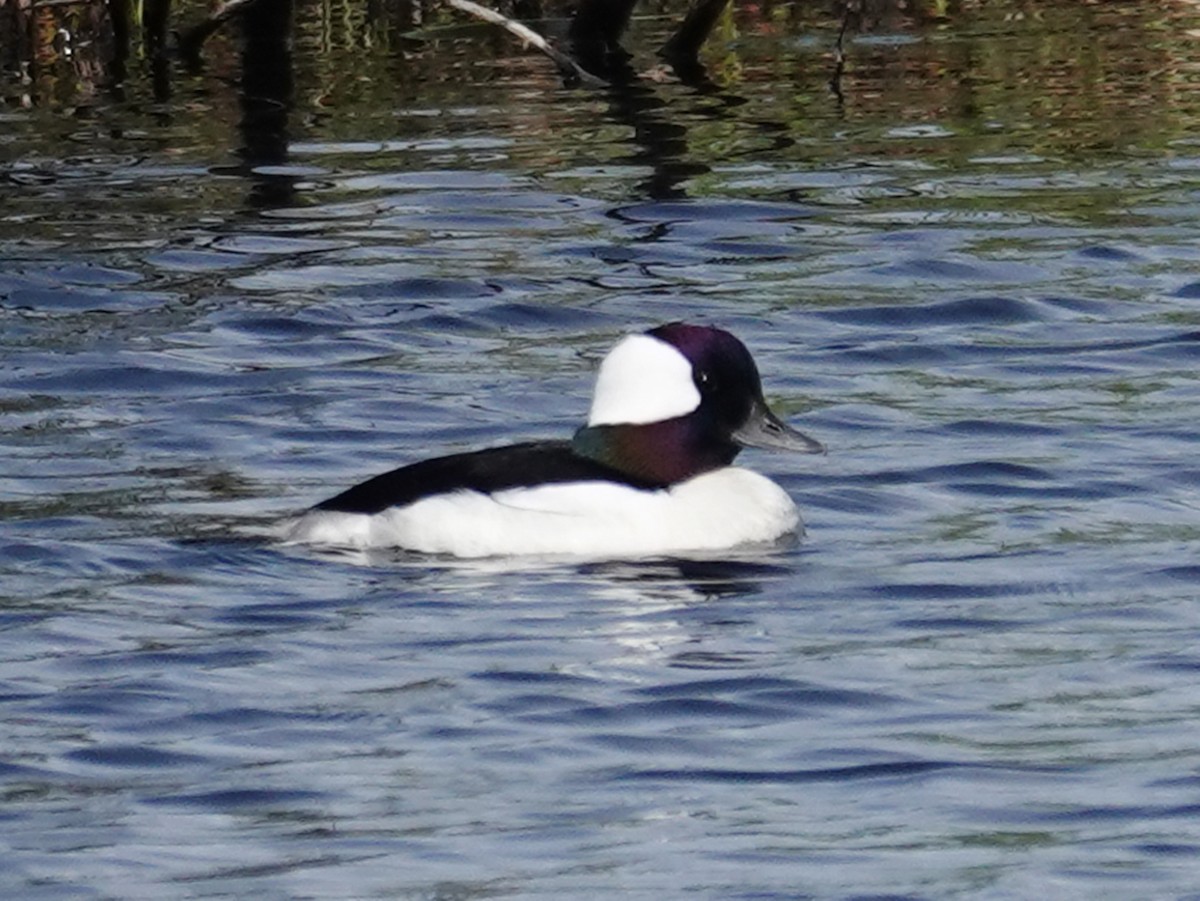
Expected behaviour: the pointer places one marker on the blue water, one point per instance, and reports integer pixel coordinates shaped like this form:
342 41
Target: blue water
975 677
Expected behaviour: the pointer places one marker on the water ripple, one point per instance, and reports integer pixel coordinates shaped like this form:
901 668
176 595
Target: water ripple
971 678
890 770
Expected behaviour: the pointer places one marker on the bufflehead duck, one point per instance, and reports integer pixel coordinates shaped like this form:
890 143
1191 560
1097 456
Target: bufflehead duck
649 474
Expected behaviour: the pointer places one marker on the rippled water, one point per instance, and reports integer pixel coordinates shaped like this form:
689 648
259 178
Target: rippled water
972 276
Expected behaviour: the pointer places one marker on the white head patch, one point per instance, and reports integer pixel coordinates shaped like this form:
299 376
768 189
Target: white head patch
643 380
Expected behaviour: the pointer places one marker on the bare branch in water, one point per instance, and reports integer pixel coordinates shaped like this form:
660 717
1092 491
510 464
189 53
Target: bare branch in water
597 26
530 38
191 40
849 8
684 45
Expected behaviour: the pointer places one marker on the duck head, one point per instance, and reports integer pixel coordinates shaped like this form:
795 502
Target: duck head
678 401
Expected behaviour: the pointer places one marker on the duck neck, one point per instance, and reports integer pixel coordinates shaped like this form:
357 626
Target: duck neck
662 453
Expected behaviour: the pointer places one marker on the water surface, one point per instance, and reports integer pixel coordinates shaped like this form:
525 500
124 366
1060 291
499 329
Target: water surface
971 274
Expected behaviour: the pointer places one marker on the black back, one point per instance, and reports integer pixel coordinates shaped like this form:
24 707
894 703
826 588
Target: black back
485 471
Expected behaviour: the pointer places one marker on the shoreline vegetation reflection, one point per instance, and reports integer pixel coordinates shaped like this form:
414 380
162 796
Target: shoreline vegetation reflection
1048 80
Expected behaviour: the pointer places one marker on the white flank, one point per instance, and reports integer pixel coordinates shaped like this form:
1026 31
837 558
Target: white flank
643 380
715 511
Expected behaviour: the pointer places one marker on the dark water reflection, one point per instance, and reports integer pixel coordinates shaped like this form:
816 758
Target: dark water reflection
225 292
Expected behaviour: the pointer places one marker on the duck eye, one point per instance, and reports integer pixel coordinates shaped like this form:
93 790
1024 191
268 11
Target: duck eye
704 380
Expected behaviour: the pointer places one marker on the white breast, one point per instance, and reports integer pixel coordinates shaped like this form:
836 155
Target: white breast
720 509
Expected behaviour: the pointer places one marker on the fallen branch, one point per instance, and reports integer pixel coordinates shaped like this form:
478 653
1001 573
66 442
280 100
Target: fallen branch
684 45
599 24
530 38
839 54
191 40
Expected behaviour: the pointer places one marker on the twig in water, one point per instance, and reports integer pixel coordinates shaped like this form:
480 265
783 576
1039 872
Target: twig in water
530 38
697 25
839 55
191 40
